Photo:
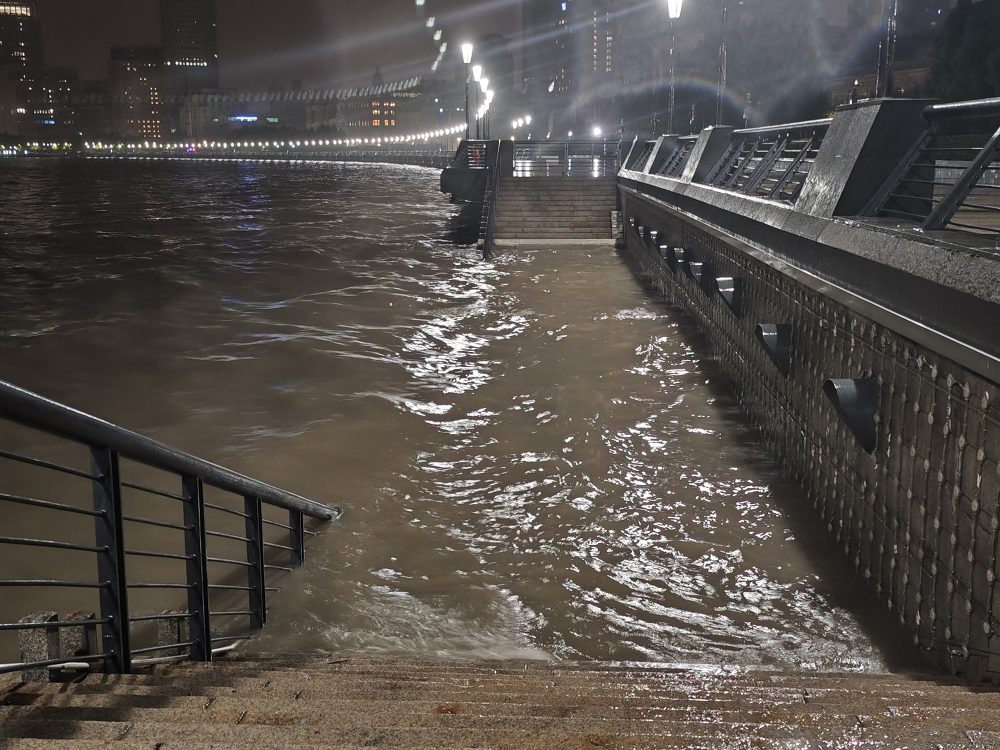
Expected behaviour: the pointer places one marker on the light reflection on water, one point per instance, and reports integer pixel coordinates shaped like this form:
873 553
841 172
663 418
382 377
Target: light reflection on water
535 460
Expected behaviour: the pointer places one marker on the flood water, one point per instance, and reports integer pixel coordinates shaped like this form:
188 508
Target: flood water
535 456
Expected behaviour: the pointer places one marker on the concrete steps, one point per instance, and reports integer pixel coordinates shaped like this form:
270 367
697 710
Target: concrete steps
555 208
342 704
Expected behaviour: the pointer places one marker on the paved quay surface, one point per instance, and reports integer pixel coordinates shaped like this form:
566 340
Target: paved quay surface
322 702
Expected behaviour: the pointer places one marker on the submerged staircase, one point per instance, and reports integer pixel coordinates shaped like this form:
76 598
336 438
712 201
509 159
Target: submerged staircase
568 209
340 704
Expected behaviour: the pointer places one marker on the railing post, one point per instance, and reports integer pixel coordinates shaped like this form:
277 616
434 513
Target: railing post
111 561
297 537
255 556
197 568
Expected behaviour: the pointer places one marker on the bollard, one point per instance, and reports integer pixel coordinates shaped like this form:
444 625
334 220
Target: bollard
38 645
79 640
171 630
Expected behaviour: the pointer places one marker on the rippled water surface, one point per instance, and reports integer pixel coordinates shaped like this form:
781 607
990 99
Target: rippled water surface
536 458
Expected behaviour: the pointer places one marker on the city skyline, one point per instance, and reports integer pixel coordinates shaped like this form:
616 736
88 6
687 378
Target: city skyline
313 42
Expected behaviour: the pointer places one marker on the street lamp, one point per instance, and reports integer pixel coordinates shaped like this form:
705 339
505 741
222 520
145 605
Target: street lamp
723 65
477 76
887 49
674 11
467 49
484 84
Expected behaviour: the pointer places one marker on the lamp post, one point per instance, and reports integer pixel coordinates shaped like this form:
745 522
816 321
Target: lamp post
723 65
477 76
674 11
484 85
887 49
467 50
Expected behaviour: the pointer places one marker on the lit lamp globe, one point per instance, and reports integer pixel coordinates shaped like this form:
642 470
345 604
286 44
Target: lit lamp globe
477 73
467 50
674 8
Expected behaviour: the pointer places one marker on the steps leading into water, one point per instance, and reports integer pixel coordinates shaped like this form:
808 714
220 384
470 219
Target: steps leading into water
554 208
341 704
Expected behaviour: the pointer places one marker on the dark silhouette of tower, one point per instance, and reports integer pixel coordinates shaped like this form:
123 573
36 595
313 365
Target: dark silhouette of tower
20 63
190 45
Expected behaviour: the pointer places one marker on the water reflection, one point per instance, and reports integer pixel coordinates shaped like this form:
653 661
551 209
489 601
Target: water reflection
533 457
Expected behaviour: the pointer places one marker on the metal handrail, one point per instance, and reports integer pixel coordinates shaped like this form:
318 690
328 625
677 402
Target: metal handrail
555 158
108 444
770 162
33 410
490 205
949 178
974 108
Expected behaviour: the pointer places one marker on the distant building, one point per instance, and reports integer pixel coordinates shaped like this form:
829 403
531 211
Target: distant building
369 115
93 112
51 104
190 45
136 92
190 55
21 56
546 35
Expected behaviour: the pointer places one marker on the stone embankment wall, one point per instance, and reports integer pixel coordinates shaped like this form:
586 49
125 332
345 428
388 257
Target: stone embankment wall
918 516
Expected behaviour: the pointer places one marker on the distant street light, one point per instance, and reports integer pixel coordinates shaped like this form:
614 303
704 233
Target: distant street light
467 49
674 11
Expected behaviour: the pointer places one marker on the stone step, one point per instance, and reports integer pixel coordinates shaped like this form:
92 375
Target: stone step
600 199
333 733
520 191
364 687
344 704
583 670
543 202
552 228
683 706
542 211
543 237
566 674
411 715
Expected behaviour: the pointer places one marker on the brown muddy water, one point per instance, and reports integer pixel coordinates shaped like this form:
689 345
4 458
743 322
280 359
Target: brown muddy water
535 456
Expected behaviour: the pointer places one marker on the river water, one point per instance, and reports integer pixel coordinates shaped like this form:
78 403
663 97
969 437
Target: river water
536 458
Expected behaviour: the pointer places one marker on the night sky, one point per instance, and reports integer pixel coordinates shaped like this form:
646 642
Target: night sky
268 42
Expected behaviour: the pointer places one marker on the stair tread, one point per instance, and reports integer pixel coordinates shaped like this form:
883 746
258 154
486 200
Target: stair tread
497 736
344 704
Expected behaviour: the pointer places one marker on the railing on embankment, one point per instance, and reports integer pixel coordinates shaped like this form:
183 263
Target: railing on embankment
847 274
145 501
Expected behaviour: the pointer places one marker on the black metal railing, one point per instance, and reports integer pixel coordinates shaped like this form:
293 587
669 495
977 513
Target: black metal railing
951 177
472 155
639 155
191 523
566 159
488 220
672 162
770 163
